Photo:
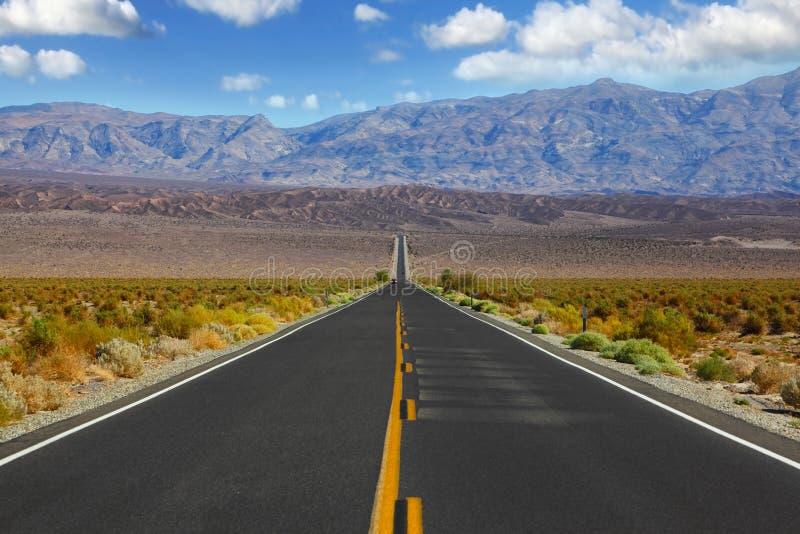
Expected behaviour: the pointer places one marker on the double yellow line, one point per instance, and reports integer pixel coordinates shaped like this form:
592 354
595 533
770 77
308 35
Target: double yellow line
386 495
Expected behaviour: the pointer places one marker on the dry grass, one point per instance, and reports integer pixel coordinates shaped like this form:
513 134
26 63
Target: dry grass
206 338
66 364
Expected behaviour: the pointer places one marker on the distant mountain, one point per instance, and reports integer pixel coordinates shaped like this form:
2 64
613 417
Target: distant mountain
604 137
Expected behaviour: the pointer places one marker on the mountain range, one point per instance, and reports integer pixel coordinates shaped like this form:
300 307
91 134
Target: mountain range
604 137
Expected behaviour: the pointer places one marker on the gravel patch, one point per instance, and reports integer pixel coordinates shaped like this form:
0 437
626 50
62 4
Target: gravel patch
717 395
95 393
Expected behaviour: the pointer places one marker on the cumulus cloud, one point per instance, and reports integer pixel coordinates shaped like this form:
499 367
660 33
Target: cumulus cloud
59 64
113 18
367 13
243 82
354 106
605 37
468 27
411 96
311 102
15 61
386 56
244 12
279 101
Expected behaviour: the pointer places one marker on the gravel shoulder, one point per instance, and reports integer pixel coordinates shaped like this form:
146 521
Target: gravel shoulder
96 393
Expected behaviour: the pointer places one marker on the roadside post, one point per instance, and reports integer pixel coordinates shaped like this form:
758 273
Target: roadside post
584 315
327 302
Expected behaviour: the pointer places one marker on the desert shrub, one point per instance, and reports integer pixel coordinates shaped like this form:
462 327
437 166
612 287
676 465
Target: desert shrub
540 329
40 338
382 276
84 335
753 325
770 375
758 351
743 367
568 316
169 347
12 408
38 394
715 368
626 330
464 302
65 364
780 323
121 357
261 323
229 317
648 366
568 339
669 328
199 314
709 323
741 401
222 331
5 351
175 323
5 310
641 352
723 352
205 338
790 391
589 341
243 331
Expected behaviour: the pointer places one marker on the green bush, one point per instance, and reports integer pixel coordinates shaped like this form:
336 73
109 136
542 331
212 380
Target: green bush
568 340
40 338
464 302
648 366
382 276
5 310
715 368
641 352
753 325
524 321
741 401
540 329
790 392
589 341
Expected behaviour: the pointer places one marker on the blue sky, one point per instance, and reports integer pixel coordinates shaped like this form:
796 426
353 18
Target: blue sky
299 61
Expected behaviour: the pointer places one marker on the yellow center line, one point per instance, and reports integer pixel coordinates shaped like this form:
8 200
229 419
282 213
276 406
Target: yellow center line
382 521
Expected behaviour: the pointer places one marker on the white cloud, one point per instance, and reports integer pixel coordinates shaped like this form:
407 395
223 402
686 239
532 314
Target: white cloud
367 13
411 96
311 102
468 27
60 64
605 37
113 18
15 61
244 12
354 106
279 101
386 56
243 82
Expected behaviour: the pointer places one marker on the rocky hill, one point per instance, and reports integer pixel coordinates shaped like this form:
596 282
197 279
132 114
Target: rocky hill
604 137
386 207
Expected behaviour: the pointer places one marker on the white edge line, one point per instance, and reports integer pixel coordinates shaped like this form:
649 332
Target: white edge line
24 452
698 422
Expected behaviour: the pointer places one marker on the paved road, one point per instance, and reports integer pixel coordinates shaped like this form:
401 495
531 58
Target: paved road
507 439
287 439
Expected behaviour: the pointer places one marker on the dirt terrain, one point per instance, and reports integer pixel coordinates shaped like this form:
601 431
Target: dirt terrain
94 226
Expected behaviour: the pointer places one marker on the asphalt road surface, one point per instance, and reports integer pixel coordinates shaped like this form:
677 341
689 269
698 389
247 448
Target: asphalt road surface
506 439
